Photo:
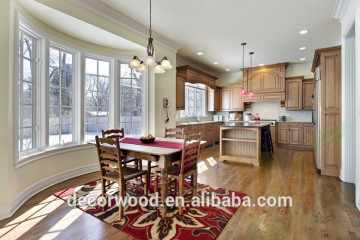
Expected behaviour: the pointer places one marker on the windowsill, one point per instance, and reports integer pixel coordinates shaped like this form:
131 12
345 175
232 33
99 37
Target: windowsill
51 152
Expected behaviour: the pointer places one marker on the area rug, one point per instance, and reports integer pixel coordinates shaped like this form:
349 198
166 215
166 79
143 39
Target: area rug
197 222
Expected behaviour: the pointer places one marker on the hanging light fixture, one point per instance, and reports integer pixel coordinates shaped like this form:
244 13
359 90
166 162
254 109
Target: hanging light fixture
251 94
149 60
243 90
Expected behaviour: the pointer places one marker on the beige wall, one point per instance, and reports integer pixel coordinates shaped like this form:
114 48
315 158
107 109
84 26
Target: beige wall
4 99
14 180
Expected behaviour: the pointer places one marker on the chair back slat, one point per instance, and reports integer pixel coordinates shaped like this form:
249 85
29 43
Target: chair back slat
190 152
113 133
109 156
177 133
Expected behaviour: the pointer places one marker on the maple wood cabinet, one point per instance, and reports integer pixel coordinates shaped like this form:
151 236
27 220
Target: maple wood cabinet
290 133
210 132
213 97
194 75
225 95
294 93
180 92
308 91
236 102
308 135
267 82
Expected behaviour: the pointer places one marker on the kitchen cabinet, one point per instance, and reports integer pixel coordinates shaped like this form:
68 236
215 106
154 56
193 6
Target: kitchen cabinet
236 102
308 135
213 96
266 82
308 91
194 75
290 133
274 134
225 95
328 60
210 132
283 134
294 93
180 92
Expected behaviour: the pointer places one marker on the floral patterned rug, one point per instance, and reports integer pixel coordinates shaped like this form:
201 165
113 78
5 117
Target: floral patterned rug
197 222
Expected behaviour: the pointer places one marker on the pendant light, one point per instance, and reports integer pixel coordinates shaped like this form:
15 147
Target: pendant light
251 94
243 90
140 66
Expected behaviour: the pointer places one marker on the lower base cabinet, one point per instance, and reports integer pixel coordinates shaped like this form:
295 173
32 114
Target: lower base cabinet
210 132
299 134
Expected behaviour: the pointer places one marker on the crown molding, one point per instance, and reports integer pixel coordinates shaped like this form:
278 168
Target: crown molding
299 65
340 9
116 17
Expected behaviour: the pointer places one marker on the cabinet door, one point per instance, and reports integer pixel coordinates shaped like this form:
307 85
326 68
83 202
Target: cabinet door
273 135
283 135
308 136
294 94
180 93
236 98
308 91
210 99
225 99
296 135
256 82
270 81
217 100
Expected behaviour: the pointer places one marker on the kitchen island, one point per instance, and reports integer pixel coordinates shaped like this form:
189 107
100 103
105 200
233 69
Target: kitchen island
241 142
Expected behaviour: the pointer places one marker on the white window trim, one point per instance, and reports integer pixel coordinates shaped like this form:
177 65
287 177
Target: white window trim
145 107
184 113
45 41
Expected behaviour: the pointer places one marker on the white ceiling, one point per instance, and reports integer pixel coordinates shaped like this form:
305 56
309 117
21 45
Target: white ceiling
271 28
77 28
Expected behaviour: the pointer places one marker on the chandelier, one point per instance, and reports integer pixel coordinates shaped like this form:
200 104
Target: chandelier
140 66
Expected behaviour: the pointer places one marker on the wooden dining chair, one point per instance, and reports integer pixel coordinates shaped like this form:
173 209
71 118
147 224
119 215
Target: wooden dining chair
113 171
187 168
177 133
119 133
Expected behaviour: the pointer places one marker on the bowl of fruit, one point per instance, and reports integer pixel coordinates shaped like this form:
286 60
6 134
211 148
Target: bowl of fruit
149 139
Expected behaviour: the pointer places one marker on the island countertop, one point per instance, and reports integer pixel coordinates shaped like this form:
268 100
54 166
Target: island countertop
245 124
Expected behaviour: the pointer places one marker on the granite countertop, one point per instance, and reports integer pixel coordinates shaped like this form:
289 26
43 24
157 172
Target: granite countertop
246 125
294 121
197 123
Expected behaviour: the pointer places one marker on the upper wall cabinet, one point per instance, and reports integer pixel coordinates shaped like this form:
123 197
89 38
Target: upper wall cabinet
194 75
267 82
294 93
236 101
308 91
180 92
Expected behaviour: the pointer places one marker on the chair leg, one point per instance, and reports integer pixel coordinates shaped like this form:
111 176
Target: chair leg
121 194
156 183
108 183
149 169
103 192
147 184
194 180
181 194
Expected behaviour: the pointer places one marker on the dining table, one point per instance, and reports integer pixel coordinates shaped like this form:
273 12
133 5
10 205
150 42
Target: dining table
163 156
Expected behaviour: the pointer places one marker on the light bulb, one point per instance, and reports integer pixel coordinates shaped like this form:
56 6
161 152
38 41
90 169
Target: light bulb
134 63
141 68
165 64
158 69
251 95
149 61
243 92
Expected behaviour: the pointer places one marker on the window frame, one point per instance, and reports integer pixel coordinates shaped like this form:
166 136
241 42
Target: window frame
73 90
196 88
110 122
144 107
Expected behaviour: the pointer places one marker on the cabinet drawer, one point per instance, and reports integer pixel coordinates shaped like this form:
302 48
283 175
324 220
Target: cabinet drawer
274 96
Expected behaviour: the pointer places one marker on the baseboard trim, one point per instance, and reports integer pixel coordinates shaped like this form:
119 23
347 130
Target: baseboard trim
9 209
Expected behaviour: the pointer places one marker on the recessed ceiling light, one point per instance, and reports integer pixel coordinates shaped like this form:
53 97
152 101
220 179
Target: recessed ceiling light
304 31
227 69
216 63
302 48
200 53
261 64
302 59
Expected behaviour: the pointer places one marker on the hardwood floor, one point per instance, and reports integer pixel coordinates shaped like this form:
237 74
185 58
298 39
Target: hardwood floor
323 207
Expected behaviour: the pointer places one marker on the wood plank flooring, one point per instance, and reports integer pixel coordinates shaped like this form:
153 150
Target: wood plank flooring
323 207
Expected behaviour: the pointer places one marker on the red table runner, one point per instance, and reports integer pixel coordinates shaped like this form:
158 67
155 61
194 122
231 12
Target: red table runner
156 143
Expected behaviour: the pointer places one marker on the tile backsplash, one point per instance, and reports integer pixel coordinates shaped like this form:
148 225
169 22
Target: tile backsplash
272 110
